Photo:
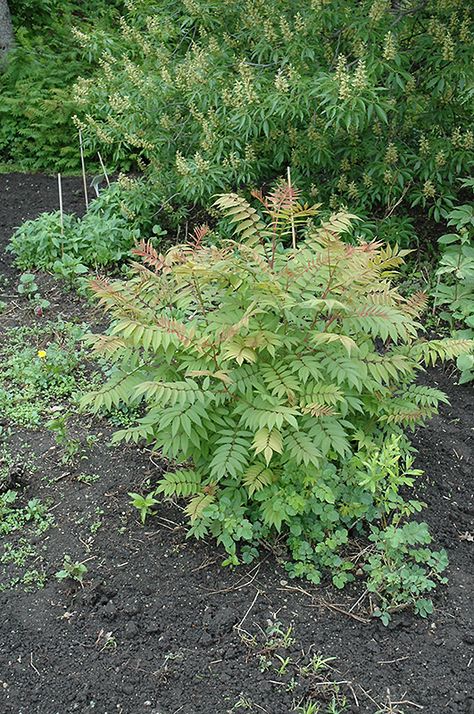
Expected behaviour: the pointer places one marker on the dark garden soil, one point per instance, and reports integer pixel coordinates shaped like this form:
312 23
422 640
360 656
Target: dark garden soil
160 627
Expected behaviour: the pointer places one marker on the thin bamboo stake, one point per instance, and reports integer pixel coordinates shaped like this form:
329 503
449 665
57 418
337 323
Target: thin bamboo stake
61 212
103 168
84 181
293 231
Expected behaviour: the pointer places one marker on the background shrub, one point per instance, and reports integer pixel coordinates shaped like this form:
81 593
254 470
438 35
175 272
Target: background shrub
369 102
36 109
455 286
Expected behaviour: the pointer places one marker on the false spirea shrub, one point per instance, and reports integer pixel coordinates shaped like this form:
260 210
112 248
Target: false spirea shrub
374 97
281 376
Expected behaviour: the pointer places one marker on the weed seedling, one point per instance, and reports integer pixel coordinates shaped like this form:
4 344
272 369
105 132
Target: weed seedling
27 285
308 708
23 522
317 664
284 663
279 638
13 517
7 500
70 446
73 570
242 702
33 580
17 555
264 663
143 503
94 527
88 479
110 642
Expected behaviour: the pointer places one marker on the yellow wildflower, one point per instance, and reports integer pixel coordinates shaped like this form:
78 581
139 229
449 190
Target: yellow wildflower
41 354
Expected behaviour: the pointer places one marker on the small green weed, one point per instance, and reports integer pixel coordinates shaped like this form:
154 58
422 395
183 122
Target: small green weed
70 446
144 504
242 702
33 580
27 285
74 570
402 569
279 637
88 479
308 672
14 516
19 523
97 523
42 367
17 554
28 288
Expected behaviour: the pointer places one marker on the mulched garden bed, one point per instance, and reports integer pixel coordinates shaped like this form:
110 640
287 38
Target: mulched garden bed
160 627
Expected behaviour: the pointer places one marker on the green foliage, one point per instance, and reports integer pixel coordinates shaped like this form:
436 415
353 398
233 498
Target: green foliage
14 515
283 377
394 229
71 447
402 569
33 380
72 570
21 524
370 103
144 504
37 13
103 237
455 287
36 112
308 672
27 285
36 128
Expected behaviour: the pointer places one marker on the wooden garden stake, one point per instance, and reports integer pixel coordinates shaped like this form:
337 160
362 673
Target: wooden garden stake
84 181
103 168
61 212
293 232
60 191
